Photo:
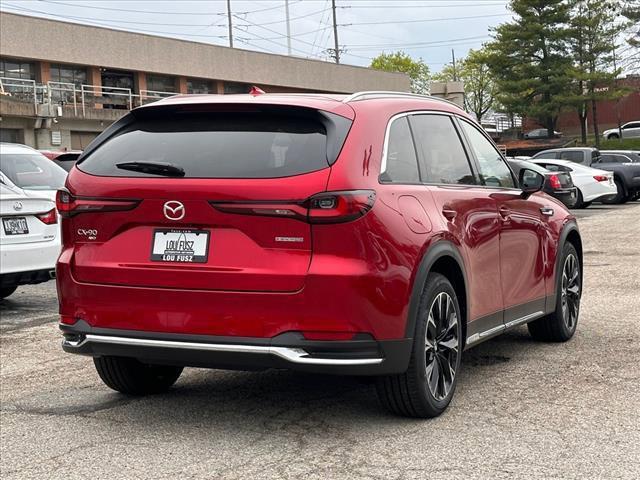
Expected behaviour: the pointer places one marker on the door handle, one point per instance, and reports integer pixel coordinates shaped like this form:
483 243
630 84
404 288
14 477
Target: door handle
546 211
449 213
504 212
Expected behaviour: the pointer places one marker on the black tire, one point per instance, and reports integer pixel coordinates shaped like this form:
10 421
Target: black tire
613 136
411 394
129 376
619 197
580 203
6 291
560 325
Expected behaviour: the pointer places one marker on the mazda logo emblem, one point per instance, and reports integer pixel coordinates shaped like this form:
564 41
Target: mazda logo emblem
17 206
173 210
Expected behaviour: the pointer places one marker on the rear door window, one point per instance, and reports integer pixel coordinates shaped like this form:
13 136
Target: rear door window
216 145
546 155
572 156
443 159
401 161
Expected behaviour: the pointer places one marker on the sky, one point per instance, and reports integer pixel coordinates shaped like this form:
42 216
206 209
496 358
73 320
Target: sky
427 29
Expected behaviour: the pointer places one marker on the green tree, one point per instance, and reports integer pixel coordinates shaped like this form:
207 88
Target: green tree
479 85
594 31
417 70
631 11
529 61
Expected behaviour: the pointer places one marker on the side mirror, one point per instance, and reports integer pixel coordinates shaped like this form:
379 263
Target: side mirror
530 182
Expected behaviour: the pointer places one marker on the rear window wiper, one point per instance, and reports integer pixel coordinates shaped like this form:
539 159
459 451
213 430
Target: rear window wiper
154 168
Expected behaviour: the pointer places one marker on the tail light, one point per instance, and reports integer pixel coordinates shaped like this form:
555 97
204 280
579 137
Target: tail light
49 218
601 178
322 208
68 205
554 181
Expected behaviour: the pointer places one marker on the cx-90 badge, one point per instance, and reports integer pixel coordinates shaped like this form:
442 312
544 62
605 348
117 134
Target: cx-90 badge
173 210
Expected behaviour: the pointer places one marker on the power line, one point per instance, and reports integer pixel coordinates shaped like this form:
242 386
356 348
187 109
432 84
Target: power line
427 20
415 44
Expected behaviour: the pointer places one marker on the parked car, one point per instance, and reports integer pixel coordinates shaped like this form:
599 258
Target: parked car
628 156
558 184
626 175
346 235
540 133
629 130
27 169
29 239
592 184
64 158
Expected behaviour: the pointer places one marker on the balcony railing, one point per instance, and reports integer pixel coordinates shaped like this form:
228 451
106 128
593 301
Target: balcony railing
82 97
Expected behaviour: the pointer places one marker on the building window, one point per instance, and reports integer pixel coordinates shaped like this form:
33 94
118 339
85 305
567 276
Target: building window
68 74
17 69
236 87
196 85
161 83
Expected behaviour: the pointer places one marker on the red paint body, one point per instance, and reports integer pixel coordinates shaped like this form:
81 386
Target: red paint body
347 277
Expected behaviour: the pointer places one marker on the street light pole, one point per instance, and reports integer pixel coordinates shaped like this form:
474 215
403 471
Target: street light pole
286 10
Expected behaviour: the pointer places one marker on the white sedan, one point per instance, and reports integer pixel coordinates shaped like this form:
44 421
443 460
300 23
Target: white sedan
592 184
29 239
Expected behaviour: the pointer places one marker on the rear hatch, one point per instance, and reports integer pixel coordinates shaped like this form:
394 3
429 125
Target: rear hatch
26 220
211 200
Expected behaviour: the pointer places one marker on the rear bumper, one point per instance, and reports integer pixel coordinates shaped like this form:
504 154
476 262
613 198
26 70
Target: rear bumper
360 356
27 257
567 196
26 278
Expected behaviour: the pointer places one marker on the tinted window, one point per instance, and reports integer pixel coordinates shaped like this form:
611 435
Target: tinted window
555 168
229 145
402 165
610 158
632 125
546 155
442 156
32 171
494 172
572 156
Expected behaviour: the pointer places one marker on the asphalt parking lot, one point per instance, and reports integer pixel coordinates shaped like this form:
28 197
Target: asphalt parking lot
522 409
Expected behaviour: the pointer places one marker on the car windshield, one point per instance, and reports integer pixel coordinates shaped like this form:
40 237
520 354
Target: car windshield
32 171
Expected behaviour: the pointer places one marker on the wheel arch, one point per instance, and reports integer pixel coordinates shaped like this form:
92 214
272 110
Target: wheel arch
571 234
442 257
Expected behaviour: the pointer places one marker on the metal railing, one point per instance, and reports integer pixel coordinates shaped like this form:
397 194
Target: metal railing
60 92
154 95
113 96
21 89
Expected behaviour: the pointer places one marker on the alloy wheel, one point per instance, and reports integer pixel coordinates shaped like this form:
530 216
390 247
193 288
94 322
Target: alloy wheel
570 295
441 346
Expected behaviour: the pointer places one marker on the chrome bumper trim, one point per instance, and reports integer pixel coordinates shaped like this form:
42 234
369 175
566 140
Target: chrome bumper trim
293 355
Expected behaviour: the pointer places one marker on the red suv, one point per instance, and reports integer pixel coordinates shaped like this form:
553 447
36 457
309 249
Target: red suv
375 234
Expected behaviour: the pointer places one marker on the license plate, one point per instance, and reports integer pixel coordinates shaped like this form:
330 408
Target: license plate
15 226
181 246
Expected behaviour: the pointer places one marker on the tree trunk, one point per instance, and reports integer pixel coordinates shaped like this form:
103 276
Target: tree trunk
596 129
550 127
582 115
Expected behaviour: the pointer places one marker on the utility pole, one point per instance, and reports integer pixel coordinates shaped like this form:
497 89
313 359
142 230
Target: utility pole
335 32
453 58
230 25
286 10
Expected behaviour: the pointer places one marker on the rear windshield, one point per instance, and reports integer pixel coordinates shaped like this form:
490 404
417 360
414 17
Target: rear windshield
216 145
32 171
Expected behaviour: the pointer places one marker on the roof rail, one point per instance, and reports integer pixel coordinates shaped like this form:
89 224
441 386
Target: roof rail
384 93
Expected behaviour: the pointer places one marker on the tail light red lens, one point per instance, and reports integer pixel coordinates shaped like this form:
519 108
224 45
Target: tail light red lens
322 208
340 207
68 205
601 178
49 218
554 181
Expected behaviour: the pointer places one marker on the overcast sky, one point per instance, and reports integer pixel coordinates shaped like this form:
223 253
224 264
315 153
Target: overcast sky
426 29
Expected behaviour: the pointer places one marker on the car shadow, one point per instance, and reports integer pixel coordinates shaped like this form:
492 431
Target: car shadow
271 397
